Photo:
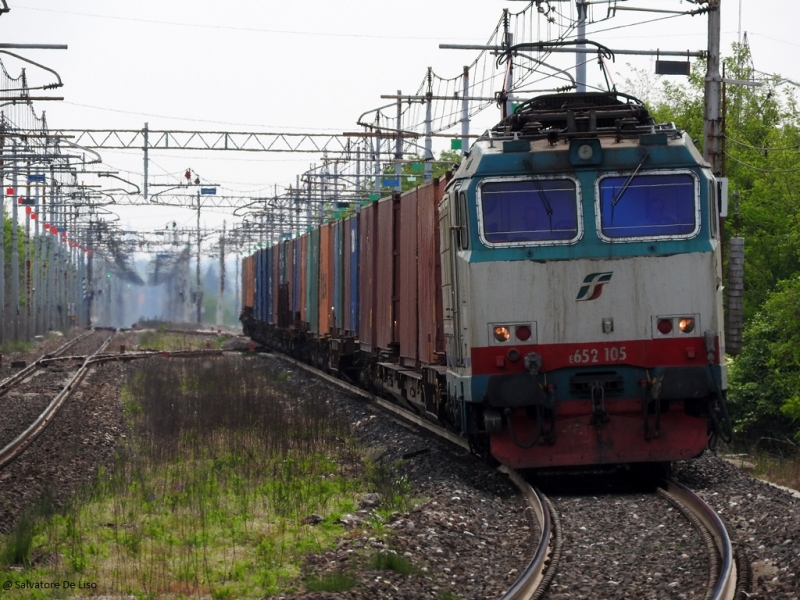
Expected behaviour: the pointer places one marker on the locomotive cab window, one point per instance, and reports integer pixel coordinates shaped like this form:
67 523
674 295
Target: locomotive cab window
529 212
462 220
648 206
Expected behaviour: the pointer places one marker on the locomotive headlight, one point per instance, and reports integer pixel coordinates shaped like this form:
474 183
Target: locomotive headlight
686 325
501 334
585 152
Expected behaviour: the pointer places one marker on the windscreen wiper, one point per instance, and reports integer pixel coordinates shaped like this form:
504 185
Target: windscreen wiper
545 202
628 182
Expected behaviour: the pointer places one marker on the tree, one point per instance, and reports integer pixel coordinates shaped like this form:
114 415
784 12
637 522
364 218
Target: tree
411 173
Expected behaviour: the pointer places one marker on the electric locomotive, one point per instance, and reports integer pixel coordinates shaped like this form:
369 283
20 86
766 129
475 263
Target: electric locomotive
582 287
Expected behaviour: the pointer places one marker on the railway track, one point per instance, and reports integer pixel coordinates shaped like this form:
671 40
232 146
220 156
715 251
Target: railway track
723 582
535 581
625 538
40 389
32 397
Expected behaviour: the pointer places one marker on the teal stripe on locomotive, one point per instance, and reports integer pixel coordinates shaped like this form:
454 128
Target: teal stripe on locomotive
555 162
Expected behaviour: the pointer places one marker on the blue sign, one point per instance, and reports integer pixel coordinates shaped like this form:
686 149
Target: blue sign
37 177
208 191
390 182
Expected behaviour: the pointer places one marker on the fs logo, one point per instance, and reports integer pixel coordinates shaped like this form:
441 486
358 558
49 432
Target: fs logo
593 286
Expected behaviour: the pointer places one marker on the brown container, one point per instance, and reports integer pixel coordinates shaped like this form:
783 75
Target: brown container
301 273
429 274
368 231
387 272
407 308
248 282
325 277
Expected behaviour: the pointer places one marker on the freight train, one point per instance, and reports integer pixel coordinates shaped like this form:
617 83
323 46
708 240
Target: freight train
557 300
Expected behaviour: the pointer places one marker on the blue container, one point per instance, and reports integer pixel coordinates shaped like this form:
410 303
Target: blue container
268 285
295 260
351 255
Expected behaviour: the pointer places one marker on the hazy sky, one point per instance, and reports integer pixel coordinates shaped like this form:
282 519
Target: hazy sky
312 65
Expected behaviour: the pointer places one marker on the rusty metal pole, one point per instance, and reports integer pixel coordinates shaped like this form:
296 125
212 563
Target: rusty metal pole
14 246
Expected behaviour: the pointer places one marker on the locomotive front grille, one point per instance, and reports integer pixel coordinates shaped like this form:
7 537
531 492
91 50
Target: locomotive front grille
581 385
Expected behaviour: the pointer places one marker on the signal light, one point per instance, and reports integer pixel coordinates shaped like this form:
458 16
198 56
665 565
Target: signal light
523 333
665 326
686 325
501 334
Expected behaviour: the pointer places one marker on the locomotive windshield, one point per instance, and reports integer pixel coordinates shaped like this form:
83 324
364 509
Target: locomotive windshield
648 206
525 211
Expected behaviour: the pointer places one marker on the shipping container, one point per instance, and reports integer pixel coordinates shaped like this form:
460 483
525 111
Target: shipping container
429 275
276 274
283 313
408 308
289 245
368 230
260 278
312 281
295 281
337 319
325 277
351 274
248 281
302 275
386 271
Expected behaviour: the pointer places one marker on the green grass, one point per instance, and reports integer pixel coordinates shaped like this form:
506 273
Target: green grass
162 341
389 561
774 460
333 582
777 469
208 497
18 346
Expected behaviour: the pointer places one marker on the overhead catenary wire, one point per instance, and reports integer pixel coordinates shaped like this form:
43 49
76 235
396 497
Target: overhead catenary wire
761 169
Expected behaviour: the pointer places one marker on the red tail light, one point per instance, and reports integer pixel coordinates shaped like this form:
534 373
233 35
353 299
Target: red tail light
523 333
665 326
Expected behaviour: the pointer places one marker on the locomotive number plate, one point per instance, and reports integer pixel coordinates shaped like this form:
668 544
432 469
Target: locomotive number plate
607 354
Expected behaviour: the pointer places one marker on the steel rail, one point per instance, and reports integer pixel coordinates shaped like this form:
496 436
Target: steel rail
69 344
8 382
16 446
528 583
724 587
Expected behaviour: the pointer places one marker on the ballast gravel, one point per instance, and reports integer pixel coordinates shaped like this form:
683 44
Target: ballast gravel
759 517
631 545
468 537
